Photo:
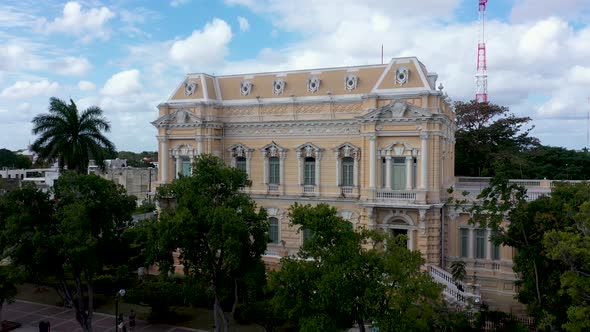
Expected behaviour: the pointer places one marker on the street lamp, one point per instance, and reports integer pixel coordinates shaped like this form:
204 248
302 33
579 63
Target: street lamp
120 293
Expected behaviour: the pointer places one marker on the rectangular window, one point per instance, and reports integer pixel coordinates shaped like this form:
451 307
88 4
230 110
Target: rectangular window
464 234
273 230
186 167
480 243
241 164
495 252
274 175
309 171
307 235
383 172
347 172
398 180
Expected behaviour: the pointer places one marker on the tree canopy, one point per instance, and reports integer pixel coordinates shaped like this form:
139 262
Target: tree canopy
70 136
489 139
217 229
342 276
73 238
543 267
10 159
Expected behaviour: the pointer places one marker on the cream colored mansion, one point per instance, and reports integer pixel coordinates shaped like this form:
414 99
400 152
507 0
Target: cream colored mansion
377 142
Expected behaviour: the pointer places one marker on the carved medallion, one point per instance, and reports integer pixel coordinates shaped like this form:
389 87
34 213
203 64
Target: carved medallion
402 75
350 82
190 87
245 87
278 86
313 84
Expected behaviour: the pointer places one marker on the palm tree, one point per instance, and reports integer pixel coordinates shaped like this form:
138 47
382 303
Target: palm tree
71 137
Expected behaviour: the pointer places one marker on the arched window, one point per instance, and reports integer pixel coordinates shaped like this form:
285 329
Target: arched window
309 171
347 171
273 230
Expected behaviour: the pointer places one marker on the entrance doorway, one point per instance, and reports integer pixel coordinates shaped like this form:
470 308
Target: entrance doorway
398 231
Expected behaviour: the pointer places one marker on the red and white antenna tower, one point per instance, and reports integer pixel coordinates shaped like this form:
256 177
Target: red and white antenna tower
481 76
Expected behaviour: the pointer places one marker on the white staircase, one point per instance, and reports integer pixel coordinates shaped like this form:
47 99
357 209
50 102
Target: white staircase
451 292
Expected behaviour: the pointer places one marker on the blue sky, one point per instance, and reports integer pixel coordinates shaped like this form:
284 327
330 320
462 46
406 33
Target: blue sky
127 56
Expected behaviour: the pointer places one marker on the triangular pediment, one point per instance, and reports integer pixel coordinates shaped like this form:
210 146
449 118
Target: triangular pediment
395 110
178 118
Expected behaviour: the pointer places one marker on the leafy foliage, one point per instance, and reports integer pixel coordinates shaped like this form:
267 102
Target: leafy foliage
218 230
73 238
342 276
141 159
490 140
70 136
571 246
10 159
523 225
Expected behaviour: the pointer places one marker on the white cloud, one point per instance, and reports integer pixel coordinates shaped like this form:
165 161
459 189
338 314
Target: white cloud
26 89
71 66
86 86
178 3
123 83
531 10
204 48
87 24
244 25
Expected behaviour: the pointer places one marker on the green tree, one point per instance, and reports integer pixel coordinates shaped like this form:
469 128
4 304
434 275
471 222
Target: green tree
571 246
71 137
10 159
72 239
217 229
342 276
547 162
490 140
9 278
522 224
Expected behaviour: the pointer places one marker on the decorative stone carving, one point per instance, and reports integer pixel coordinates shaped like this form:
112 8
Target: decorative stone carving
245 88
402 75
273 150
309 150
240 151
313 84
190 87
348 150
350 82
278 86
181 117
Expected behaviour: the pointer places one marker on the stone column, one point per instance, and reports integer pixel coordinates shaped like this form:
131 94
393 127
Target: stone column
372 161
301 174
436 162
199 145
249 164
410 239
164 160
424 161
338 166
387 172
282 172
470 244
488 245
178 166
356 172
264 168
409 176
318 160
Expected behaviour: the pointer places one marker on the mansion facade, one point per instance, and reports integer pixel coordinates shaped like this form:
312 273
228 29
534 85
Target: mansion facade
376 142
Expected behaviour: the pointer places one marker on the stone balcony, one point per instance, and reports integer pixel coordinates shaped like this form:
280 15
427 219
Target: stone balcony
472 187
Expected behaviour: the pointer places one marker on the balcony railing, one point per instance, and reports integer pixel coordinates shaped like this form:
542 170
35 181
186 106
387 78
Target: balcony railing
273 188
404 195
309 189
